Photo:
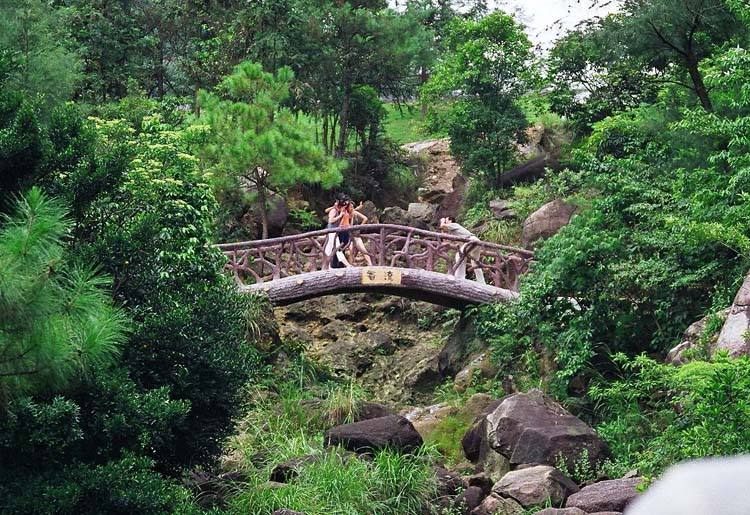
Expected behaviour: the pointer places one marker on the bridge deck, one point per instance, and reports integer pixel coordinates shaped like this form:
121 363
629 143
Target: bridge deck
433 287
428 265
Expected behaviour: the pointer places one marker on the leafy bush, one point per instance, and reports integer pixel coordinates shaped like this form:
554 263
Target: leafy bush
125 486
660 414
661 242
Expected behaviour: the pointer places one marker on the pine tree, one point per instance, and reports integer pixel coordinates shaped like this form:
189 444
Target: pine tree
56 321
255 138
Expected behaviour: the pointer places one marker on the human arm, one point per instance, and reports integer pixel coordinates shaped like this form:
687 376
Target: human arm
334 216
359 215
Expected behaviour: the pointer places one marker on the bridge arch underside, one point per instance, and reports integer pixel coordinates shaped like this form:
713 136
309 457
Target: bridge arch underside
433 287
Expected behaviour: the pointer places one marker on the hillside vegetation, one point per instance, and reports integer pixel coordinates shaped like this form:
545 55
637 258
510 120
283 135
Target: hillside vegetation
136 378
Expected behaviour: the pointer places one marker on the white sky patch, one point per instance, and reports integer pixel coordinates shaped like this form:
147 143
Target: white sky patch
548 20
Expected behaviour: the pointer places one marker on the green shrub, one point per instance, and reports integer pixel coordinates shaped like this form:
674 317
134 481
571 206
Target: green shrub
660 414
124 486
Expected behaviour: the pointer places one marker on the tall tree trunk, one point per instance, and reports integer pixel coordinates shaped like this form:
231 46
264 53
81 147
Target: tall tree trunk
325 134
699 86
160 77
423 79
344 122
262 201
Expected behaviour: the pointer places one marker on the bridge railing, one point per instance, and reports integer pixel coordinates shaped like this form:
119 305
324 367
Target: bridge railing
399 246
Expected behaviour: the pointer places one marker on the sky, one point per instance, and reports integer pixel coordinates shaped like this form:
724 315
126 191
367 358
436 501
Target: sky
548 20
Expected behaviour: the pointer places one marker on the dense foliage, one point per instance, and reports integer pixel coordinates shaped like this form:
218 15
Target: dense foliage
133 135
487 66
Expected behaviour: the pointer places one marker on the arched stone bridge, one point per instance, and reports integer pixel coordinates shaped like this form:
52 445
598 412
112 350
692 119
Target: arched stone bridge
409 262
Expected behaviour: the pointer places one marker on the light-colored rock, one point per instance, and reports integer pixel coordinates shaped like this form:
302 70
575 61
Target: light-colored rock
496 505
712 486
421 211
613 495
426 419
536 485
735 335
546 221
479 367
679 355
561 511
370 210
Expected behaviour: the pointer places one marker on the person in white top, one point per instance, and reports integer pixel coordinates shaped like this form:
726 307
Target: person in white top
468 250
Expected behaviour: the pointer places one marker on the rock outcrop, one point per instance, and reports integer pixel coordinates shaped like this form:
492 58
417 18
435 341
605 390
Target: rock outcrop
735 335
367 436
534 486
501 210
496 505
691 339
531 428
561 511
546 221
422 212
614 495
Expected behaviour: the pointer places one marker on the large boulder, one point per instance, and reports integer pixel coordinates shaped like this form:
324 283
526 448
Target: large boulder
537 485
496 505
734 335
393 431
546 221
613 495
397 216
691 339
422 212
477 449
451 205
532 428
371 211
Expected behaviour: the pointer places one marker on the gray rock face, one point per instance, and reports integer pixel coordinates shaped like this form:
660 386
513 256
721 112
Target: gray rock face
477 449
734 336
496 505
561 511
532 428
469 499
535 486
393 431
501 210
690 340
397 216
546 221
613 495
422 211
278 215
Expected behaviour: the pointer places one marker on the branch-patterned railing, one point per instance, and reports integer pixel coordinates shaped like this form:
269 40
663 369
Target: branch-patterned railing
399 246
